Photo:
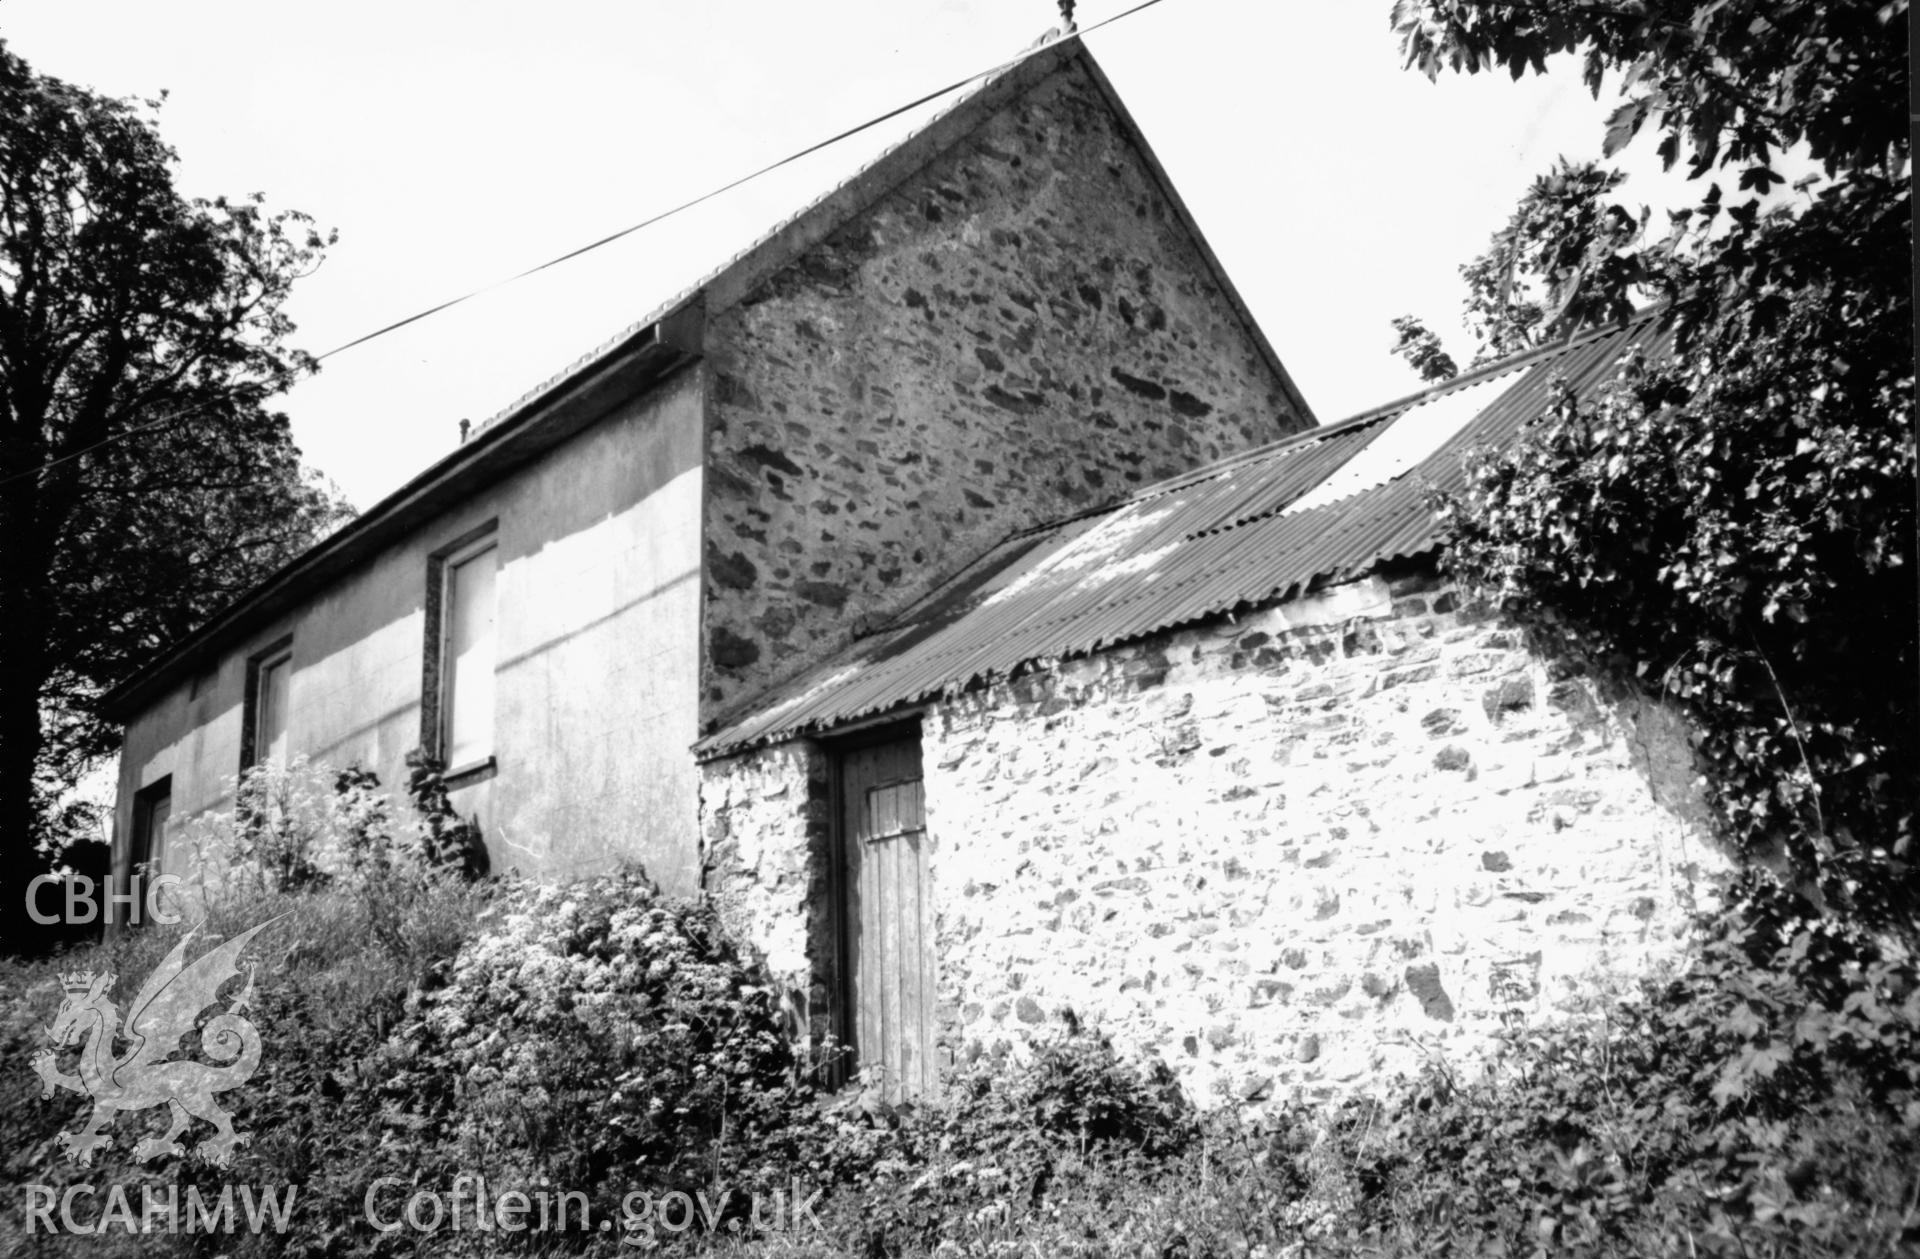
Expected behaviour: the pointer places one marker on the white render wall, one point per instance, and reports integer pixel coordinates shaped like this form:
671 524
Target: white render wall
596 675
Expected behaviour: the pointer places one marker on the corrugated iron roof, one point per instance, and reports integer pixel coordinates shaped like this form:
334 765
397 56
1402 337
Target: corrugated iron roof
1264 525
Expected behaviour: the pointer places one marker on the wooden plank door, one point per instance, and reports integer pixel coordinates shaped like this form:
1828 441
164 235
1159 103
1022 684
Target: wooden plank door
888 915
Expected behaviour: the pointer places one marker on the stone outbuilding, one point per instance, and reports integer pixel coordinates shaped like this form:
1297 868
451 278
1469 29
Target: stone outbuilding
1227 770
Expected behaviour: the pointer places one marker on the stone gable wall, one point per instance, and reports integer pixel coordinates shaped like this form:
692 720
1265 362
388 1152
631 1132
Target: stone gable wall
1295 852
1021 331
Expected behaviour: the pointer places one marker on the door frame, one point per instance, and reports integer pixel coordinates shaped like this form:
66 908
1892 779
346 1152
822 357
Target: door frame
892 728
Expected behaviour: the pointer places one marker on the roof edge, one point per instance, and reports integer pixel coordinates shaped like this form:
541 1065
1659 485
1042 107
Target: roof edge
737 279
563 408
718 746
1235 302
1501 366
724 740
733 280
679 324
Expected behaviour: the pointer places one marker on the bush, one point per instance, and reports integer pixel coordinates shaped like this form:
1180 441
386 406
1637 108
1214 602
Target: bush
1003 1143
1763 1102
303 825
597 1036
601 1037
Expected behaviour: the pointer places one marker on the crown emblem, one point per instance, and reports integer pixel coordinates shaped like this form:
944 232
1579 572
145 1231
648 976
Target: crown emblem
76 981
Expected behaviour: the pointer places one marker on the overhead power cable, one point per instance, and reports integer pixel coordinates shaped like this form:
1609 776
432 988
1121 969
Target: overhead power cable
709 195
629 230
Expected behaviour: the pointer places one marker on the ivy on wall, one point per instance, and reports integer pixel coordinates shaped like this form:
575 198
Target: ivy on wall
1730 525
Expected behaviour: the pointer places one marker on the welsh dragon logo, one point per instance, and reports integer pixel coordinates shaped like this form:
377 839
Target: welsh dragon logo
164 1011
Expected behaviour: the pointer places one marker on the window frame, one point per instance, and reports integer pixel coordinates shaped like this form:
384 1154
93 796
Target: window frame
435 691
280 651
147 802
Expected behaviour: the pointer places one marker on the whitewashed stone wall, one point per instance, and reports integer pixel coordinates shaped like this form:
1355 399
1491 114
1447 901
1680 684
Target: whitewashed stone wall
1292 853
765 836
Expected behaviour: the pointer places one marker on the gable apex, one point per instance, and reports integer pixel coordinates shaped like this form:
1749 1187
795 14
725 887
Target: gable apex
737 278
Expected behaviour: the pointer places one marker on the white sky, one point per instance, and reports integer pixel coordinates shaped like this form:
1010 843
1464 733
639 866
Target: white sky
453 144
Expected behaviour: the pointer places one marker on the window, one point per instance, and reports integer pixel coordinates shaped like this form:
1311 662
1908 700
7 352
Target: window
470 657
263 736
458 717
152 810
272 727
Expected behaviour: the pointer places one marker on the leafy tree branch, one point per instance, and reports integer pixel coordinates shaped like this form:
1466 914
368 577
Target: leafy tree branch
144 478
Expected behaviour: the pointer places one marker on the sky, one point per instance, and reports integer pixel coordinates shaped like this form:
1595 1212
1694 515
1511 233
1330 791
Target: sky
453 145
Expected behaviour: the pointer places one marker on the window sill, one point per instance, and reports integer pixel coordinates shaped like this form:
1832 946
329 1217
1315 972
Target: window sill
469 774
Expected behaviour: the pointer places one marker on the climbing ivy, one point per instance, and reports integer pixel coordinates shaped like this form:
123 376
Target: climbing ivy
1734 532
1730 523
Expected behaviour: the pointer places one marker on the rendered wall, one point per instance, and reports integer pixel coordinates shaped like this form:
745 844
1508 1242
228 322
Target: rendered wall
598 615
1299 851
1022 330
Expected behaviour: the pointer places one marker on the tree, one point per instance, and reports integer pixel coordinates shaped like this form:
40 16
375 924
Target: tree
1732 524
1422 350
1520 291
144 481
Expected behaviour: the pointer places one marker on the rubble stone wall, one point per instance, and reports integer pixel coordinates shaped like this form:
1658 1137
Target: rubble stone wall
1294 852
1023 330
766 854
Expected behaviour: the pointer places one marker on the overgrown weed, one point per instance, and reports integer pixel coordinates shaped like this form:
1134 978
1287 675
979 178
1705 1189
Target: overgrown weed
599 1036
